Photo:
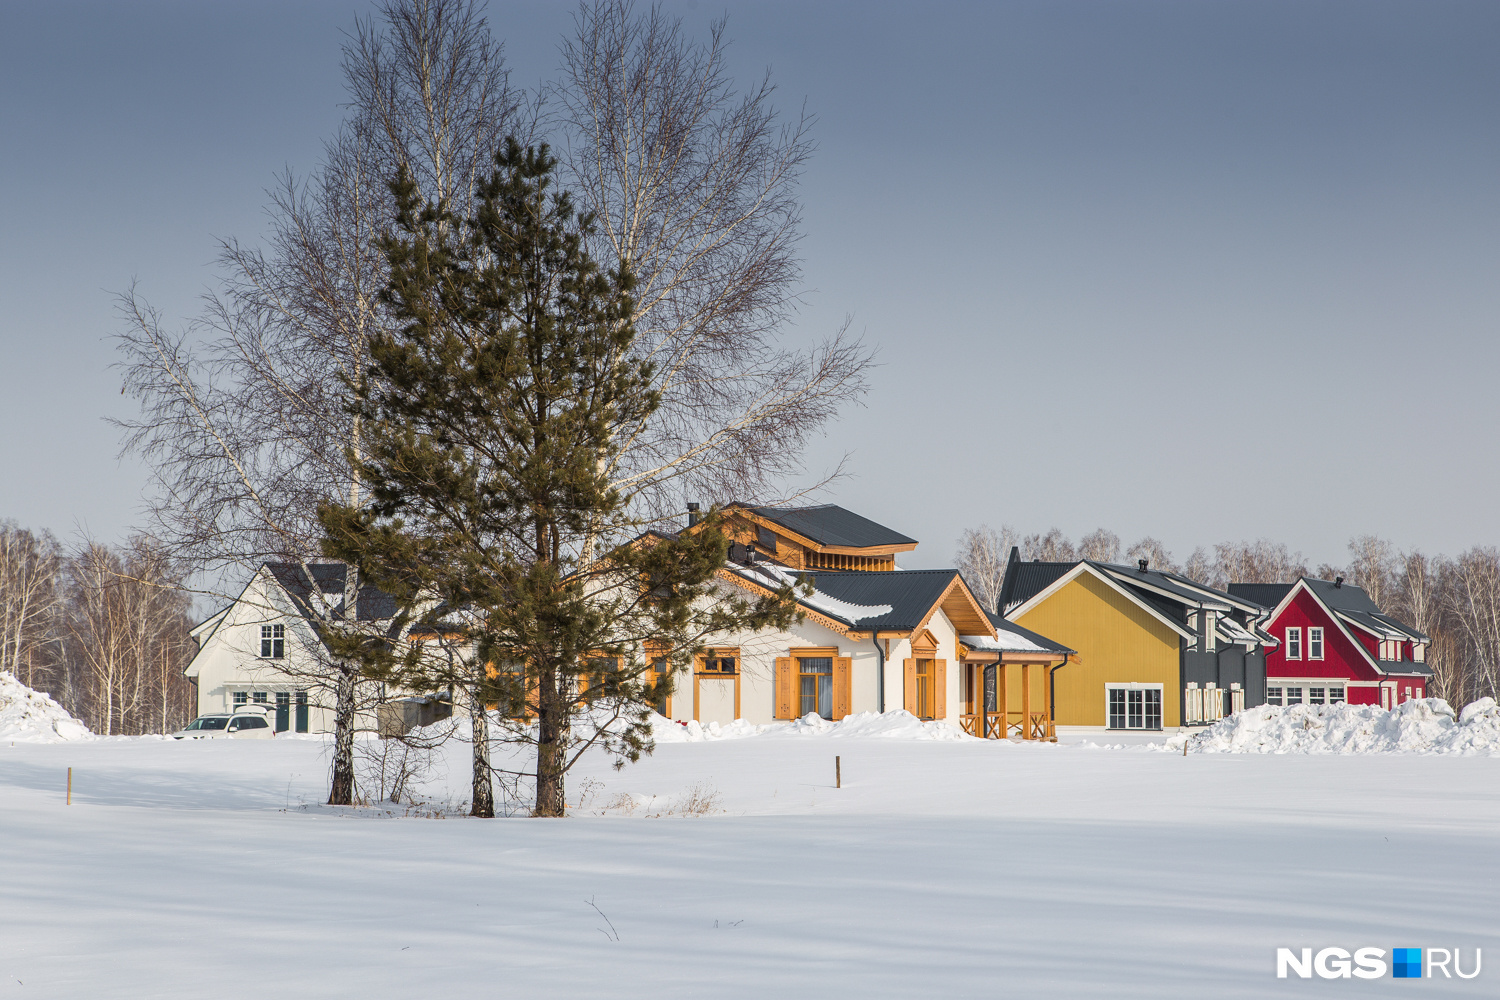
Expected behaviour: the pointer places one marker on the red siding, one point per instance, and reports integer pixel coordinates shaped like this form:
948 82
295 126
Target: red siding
1340 657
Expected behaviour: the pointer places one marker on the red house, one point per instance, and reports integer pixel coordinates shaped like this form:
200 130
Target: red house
1336 645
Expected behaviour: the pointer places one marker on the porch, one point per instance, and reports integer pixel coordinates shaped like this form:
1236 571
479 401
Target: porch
1009 695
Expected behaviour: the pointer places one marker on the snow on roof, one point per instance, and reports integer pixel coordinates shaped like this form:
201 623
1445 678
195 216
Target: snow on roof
819 601
1004 642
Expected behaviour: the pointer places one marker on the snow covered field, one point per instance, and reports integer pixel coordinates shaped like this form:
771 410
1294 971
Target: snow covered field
943 867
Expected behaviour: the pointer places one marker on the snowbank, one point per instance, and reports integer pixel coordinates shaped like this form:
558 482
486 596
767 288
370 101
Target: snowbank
1425 725
896 725
28 716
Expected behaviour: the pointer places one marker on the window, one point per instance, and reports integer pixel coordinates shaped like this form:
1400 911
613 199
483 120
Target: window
241 697
1294 644
1419 652
1315 696
1273 696
283 711
1134 706
1294 696
1315 644
273 641
1408 694
719 664
660 667
815 683
251 723
1335 695
261 697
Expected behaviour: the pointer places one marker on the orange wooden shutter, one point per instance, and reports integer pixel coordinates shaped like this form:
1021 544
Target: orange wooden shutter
841 693
784 688
939 689
911 686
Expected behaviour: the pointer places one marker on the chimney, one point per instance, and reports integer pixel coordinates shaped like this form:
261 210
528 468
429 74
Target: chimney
1142 563
1338 582
693 516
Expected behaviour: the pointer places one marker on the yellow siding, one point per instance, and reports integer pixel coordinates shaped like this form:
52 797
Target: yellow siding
1117 642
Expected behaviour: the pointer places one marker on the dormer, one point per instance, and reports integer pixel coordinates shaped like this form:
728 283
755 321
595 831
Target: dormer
826 537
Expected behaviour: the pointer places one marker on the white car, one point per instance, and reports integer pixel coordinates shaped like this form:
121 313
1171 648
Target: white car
237 725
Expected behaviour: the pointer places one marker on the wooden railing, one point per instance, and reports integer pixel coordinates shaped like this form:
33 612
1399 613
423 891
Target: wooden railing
1037 727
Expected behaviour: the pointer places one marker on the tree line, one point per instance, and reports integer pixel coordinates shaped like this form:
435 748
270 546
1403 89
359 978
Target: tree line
101 628
1455 600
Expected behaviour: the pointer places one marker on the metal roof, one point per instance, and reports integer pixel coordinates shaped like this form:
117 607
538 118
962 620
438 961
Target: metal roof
370 605
831 524
1268 594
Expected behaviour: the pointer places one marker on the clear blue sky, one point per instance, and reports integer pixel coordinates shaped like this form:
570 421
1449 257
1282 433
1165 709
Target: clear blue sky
1196 270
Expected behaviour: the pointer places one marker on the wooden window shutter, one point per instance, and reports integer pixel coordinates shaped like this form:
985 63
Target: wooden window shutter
842 696
785 686
911 686
939 689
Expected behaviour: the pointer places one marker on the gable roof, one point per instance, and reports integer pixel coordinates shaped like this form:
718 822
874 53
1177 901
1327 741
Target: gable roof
1348 605
370 604
1267 594
874 602
832 525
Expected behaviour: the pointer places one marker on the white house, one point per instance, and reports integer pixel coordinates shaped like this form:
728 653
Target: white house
265 647
874 637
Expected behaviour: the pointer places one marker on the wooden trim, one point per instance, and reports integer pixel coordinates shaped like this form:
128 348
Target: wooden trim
813 651
784 687
940 689
699 675
926 642
843 696
809 613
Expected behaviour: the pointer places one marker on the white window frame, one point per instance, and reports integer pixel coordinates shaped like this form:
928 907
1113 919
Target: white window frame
1277 695
1294 642
1161 706
1314 642
272 642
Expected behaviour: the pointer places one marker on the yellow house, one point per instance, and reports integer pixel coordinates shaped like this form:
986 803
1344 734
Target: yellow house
1147 643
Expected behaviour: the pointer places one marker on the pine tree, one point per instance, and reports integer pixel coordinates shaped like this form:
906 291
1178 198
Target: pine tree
491 416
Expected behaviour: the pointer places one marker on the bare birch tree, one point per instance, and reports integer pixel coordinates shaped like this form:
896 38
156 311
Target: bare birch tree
1155 554
243 415
1475 601
693 183
981 557
30 567
1370 567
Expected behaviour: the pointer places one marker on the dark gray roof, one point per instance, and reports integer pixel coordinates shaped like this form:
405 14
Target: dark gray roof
1267 594
911 593
370 604
1172 592
1024 580
831 524
1026 633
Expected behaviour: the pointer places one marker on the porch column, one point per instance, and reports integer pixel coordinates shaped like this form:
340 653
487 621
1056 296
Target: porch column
1026 701
1000 692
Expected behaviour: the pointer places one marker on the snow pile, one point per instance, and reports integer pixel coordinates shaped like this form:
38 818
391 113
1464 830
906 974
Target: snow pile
1424 725
895 725
28 716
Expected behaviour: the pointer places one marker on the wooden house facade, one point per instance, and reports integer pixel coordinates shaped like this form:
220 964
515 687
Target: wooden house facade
1336 645
873 638
1154 650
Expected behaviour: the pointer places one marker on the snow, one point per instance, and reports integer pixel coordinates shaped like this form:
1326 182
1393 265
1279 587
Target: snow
1424 725
32 717
1004 641
897 725
851 613
732 868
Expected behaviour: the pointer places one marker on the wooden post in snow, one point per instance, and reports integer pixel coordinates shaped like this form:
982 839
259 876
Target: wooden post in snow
838 774
70 786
